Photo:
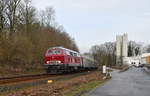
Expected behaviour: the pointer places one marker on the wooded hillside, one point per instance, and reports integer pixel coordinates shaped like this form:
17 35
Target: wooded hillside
26 33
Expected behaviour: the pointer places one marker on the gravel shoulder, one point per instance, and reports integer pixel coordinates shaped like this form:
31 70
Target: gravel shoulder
57 88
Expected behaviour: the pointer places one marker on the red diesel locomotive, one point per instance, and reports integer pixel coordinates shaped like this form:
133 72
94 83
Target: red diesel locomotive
59 59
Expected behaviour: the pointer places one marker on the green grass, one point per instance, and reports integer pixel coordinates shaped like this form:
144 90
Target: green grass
109 70
81 89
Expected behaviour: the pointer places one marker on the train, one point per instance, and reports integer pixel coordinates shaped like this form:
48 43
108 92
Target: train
63 60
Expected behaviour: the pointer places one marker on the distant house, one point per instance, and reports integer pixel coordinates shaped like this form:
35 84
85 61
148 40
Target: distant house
145 58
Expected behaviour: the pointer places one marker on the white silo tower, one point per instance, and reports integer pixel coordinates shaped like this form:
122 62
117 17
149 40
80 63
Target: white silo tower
121 48
125 45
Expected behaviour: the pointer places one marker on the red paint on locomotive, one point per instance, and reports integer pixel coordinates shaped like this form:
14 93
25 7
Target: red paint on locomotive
62 56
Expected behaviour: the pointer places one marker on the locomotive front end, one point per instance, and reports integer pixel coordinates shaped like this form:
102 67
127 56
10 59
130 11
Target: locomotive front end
54 60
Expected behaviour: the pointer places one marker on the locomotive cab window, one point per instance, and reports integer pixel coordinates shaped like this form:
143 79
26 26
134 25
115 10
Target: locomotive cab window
55 52
75 54
71 53
50 52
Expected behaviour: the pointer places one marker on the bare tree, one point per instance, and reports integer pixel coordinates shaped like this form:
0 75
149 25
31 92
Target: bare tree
110 53
134 48
11 13
147 49
47 17
2 15
50 16
42 18
104 54
27 15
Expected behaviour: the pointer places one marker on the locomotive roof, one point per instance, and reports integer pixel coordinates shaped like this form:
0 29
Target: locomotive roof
65 49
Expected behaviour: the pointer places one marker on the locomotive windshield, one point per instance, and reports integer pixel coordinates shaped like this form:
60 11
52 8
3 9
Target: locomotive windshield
54 52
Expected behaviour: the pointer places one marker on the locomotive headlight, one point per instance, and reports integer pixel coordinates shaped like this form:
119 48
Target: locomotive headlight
59 61
47 62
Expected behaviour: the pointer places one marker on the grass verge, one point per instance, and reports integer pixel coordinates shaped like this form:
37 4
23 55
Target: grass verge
80 90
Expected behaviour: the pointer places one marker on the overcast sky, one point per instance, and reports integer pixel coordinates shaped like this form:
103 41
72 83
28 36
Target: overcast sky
92 22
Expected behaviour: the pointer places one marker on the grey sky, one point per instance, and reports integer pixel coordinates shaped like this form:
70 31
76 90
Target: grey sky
92 22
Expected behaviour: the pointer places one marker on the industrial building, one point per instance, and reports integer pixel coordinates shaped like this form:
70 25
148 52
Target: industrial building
137 60
121 49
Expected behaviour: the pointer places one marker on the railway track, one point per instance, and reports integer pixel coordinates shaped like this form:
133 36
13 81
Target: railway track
18 79
10 84
16 83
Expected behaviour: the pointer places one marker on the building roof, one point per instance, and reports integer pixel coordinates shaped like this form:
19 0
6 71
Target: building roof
145 54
